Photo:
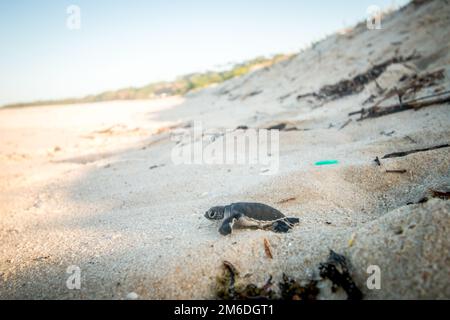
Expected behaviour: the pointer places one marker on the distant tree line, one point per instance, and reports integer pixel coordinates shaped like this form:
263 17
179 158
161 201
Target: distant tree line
179 86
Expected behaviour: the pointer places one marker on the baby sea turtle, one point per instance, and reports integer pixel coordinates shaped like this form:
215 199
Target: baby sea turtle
250 215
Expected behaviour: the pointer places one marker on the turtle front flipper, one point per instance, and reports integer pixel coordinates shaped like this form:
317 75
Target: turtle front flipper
227 225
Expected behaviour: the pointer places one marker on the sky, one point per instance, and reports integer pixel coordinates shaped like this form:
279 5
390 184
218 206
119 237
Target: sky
123 43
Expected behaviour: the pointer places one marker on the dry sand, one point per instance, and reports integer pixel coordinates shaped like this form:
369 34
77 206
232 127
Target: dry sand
94 185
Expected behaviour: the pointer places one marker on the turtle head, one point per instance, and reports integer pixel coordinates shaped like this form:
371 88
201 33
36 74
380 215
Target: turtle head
215 213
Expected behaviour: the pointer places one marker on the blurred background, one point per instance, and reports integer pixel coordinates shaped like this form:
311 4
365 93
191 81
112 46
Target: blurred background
122 44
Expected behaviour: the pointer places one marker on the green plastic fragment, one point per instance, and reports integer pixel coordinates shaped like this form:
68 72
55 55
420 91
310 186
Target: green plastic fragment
326 162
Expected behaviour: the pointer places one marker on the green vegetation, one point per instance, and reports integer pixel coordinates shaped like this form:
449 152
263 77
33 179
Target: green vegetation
180 86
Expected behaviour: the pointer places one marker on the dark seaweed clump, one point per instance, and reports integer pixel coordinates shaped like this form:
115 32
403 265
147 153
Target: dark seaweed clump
334 269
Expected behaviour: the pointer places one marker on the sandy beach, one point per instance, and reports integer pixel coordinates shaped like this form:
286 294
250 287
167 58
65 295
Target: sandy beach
95 186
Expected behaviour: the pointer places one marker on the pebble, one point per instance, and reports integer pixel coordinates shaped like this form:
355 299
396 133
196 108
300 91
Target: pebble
132 296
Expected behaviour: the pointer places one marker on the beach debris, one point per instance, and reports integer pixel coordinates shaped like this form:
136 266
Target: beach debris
413 85
418 82
284 97
326 162
251 94
441 191
286 200
387 134
279 126
370 99
232 271
415 104
354 113
108 130
226 289
284 126
252 292
267 249
410 139
292 290
351 241
356 84
442 194
250 215
345 124
41 258
132 296
336 270
422 200
377 161
230 267
156 166
405 153
310 94
401 171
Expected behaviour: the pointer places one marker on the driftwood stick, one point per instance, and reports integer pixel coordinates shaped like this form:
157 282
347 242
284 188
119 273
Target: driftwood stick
376 112
396 171
405 153
443 93
357 112
345 124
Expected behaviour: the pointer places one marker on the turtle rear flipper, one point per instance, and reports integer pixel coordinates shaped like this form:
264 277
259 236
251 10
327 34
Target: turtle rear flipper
225 229
283 226
293 220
